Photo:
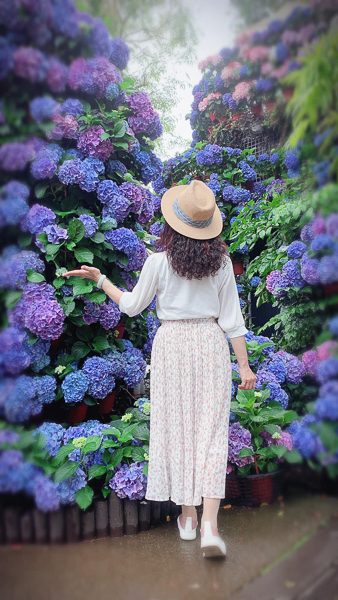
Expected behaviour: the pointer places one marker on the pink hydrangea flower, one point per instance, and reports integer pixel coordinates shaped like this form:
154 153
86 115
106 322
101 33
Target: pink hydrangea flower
326 349
231 71
257 53
205 102
66 126
242 38
319 225
310 362
285 440
266 68
242 90
214 60
280 72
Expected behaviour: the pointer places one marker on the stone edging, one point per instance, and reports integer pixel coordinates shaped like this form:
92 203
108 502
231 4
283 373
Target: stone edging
110 517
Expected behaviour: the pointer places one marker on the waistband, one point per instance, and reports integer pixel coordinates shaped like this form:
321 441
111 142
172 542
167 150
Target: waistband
194 320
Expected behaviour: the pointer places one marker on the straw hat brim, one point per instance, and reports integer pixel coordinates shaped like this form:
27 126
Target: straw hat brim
206 233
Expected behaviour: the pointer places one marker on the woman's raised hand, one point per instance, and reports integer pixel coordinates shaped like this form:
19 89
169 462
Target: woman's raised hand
85 272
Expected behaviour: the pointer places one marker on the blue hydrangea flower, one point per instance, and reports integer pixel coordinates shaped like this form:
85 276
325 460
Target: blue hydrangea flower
130 481
74 386
98 372
322 242
254 281
45 493
42 109
53 434
249 173
327 408
72 106
333 325
296 249
67 489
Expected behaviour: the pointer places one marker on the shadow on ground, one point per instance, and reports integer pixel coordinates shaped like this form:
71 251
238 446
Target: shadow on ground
158 565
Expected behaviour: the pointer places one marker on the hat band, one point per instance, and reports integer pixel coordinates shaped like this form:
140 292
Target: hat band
180 214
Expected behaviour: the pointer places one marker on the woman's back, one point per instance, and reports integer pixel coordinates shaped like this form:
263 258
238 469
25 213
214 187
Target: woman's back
182 298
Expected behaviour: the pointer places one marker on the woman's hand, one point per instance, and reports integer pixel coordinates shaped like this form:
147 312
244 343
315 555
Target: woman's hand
85 272
248 378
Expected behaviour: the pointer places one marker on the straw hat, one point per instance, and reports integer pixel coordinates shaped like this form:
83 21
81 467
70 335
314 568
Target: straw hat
192 210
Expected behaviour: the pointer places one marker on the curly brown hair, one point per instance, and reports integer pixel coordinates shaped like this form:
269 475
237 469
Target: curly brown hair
190 258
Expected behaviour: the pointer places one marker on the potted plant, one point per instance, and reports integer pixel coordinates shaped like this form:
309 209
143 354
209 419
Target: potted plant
258 448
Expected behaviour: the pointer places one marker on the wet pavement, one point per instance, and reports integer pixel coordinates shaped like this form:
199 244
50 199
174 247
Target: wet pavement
158 565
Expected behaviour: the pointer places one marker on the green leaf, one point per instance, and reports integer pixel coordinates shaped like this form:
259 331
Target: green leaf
40 189
86 106
98 238
278 450
62 454
96 471
116 458
271 428
293 456
84 255
68 308
119 129
137 453
98 297
127 451
105 491
100 343
84 497
105 136
271 466
245 452
92 443
66 470
122 145
11 299
52 249
328 435
80 350
82 286
108 225
25 239
85 334
145 469
142 433
89 401
76 230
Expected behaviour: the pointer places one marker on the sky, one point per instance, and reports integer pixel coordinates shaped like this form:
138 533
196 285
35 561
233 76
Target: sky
215 21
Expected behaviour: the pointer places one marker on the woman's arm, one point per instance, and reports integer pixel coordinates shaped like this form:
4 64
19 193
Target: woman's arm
93 273
247 376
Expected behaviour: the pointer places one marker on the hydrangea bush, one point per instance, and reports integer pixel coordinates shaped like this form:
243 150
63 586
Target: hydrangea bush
77 157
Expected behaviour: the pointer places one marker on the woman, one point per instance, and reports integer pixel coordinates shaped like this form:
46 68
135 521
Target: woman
191 376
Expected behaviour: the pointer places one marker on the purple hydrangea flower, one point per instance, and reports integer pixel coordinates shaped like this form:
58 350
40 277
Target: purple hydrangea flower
120 53
42 108
30 64
239 438
45 319
14 156
92 145
45 493
90 225
109 315
37 218
72 106
130 481
55 234
57 76
296 249
91 312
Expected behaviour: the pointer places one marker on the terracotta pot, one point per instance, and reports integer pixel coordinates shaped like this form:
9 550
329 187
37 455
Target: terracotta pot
236 116
76 414
120 327
256 109
223 119
212 116
270 105
199 178
106 404
287 93
174 184
238 267
330 288
56 344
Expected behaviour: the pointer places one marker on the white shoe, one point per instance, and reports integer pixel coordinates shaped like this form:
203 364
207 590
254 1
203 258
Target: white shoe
211 544
188 533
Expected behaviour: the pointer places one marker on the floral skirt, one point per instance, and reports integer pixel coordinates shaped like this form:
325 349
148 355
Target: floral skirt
190 395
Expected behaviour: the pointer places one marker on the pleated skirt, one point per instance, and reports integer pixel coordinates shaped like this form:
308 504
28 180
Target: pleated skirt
190 395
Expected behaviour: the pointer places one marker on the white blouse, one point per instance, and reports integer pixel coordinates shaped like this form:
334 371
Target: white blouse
180 298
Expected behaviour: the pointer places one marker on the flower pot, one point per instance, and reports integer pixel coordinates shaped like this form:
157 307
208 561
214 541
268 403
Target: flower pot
76 414
287 93
236 116
212 116
223 119
256 109
199 178
106 404
120 327
254 490
330 288
270 105
238 267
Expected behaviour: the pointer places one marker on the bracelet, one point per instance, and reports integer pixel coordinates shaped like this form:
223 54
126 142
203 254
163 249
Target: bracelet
100 281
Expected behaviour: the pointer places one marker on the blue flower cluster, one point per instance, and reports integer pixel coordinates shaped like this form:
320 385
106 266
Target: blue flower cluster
210 155
98 373
74 386
130 481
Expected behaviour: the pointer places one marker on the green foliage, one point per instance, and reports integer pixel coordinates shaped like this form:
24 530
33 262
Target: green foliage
256 413
315 102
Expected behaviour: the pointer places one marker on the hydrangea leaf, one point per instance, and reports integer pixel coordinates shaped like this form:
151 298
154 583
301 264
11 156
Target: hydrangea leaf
98 297
293 456
82 286
80 350
100 343
84 497
84 255
76 230
66 470
96 471
62 454
137 453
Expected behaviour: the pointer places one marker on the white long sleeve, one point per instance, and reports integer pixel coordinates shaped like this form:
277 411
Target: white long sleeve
133 303
230 318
